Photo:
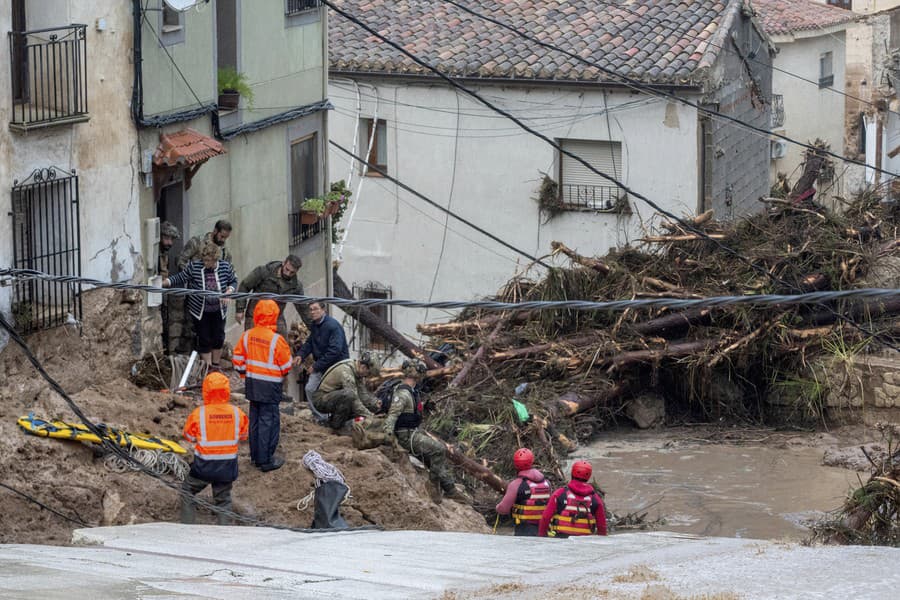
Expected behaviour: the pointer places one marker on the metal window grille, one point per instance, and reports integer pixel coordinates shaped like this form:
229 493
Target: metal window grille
590 197
777 110
300 232
46 237
368 339
293 7
48 68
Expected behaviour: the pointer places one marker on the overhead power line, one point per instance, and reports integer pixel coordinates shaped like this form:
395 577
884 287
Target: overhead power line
634 84
809 298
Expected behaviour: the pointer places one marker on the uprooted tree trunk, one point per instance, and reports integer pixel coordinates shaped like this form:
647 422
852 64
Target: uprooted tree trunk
380 326
472 467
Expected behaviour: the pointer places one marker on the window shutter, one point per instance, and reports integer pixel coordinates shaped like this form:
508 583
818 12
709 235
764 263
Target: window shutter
606 157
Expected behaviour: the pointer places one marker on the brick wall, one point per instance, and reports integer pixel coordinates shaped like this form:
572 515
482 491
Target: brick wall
740 158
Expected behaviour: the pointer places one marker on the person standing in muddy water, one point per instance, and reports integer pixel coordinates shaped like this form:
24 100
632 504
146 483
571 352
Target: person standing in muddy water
526 495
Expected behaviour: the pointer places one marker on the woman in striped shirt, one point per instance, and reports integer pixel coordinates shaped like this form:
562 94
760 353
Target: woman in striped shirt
214 275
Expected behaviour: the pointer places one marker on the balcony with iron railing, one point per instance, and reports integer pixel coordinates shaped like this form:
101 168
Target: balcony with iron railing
300 231
48 69
605 198
295 7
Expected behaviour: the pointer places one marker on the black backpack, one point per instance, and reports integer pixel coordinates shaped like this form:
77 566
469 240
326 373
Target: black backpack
385 393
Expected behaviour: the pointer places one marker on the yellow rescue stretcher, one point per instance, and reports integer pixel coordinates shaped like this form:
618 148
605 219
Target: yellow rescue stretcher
79 432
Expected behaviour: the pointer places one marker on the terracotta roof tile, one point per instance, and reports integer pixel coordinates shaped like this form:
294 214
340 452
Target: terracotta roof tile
781 17
659 40
186 147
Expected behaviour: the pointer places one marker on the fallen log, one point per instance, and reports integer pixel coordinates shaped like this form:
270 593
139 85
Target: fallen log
675 322
591 263
380 326
460 378
472 467
688 237
457 327
670 351
572 404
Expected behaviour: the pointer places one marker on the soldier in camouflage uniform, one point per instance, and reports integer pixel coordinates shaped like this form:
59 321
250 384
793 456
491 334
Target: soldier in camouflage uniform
343 391
403 419
276 277
181 329
168 233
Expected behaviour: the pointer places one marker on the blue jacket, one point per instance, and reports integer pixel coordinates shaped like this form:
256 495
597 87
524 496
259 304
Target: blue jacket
327 343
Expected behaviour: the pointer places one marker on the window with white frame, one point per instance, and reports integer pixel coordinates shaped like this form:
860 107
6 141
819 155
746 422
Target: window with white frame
826 72
378 153
582 189
171 25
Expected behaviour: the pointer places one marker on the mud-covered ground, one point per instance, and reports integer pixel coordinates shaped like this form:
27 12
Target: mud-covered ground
386 488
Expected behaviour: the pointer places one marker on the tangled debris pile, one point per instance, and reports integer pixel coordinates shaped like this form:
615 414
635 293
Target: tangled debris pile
871 513
588 369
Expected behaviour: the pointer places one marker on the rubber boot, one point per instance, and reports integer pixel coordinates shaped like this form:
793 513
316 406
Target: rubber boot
277 463
188 511
458 494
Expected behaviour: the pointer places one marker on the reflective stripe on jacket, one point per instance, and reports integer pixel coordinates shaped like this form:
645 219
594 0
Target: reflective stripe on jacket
530 501
263 359
574 515
215 429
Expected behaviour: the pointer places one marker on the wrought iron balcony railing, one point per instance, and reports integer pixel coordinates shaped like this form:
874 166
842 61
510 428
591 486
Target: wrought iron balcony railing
300 232
293 7
49 76
591 197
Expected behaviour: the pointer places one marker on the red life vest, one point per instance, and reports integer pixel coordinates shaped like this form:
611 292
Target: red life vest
574 515
531 499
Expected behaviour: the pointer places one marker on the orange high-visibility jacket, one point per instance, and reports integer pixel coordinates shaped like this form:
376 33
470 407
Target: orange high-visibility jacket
215 430
262 357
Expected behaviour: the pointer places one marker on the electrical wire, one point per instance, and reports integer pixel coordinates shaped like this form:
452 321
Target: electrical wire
871 295
133 462
76 521
622 79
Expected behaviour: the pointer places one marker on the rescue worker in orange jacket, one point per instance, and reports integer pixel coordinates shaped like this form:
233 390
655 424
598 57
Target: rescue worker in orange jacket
263 359
526 495
574 509
215 430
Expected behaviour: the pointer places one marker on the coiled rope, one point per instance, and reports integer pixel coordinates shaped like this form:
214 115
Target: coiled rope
323 471
159 463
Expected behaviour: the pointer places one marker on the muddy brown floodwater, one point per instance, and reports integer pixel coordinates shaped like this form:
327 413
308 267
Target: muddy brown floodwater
751 491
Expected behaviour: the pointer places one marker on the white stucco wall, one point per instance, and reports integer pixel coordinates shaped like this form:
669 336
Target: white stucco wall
102 151
810 112
488 171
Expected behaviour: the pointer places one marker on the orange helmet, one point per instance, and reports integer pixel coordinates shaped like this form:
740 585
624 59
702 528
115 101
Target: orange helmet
582 470
523 459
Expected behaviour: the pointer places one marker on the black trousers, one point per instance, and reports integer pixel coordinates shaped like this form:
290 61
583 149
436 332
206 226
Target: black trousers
221 498
265 431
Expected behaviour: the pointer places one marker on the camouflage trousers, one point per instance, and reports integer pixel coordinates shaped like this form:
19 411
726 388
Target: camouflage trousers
429 451
342 404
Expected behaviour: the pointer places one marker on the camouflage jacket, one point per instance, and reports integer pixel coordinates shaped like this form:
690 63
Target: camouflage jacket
162 265
194 246
265 278
344 376
401 402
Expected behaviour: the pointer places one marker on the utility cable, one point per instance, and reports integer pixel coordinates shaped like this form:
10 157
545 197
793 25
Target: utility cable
688 226
172 60
463 220
627 81
137 465
76 521
809 298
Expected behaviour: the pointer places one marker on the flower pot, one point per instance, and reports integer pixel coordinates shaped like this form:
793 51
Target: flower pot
229 100
308 218
331 208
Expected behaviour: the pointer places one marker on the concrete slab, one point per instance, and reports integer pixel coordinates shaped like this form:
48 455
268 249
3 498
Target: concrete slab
163 560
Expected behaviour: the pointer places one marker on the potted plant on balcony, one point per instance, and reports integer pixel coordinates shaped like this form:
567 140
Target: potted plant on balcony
312 210
232 85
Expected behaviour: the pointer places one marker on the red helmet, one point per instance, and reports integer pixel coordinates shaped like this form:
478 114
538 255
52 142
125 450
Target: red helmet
582 470
523 459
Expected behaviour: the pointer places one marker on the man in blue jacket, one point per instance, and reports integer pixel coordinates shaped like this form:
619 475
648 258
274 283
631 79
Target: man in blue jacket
328 346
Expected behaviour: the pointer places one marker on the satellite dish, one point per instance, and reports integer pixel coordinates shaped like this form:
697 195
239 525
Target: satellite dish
180 5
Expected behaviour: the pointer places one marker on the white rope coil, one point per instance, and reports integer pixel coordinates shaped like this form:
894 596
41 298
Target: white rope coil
323 471
160 463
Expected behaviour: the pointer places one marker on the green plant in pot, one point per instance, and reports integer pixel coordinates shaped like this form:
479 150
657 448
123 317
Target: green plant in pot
232 85
312 210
